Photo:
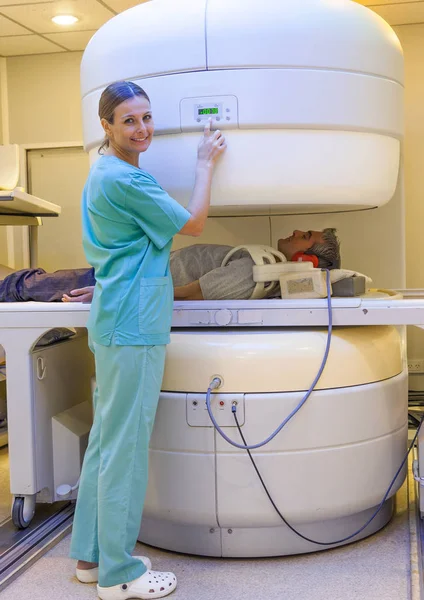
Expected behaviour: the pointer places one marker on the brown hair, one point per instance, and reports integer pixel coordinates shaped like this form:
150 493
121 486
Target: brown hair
112 96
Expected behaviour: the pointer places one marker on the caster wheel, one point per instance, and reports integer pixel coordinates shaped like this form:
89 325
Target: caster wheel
21 516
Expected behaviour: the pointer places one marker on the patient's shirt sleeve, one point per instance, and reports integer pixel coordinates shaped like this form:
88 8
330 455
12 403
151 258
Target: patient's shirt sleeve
232 282
192 262
158 215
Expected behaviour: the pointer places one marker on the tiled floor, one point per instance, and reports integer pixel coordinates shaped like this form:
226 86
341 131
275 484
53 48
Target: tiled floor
377 568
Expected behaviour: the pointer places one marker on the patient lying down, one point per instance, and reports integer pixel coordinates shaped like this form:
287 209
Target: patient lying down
196 272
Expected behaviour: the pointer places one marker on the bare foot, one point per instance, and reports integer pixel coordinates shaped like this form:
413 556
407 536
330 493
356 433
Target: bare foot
84 566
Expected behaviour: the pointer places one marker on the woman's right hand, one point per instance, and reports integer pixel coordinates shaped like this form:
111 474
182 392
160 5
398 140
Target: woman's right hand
211 146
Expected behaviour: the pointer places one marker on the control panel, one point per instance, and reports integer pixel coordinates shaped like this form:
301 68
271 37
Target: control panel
221 404
195 112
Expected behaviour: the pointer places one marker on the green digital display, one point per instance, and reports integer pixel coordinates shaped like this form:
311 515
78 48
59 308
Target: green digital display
208 111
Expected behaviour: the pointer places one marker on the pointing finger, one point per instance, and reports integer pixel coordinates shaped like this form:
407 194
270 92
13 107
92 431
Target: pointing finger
208 126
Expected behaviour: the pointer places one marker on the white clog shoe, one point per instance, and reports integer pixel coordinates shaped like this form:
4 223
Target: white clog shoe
92 575
151 585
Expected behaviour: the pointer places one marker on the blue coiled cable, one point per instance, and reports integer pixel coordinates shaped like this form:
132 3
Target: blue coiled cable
216 381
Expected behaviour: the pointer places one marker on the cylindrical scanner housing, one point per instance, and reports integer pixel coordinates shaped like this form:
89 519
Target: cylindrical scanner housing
326 471
309 93
281 360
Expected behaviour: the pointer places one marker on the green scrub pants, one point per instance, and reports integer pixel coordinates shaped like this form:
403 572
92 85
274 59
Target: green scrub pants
114 474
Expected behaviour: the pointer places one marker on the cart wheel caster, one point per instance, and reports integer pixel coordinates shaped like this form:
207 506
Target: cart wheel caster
23 511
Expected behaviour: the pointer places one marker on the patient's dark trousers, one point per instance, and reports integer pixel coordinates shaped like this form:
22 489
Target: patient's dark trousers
39 286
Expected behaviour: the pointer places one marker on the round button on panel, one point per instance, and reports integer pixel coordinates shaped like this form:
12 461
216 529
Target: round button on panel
223 317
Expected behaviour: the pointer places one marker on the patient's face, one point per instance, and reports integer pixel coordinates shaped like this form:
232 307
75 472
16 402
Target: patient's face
299 241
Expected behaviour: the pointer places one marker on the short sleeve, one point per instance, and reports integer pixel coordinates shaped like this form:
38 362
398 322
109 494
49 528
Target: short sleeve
157 214
232 282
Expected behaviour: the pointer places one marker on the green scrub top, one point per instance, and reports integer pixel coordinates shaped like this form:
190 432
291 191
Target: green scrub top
128 225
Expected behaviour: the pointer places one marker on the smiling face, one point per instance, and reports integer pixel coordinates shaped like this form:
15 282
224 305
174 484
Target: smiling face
299 241
132 129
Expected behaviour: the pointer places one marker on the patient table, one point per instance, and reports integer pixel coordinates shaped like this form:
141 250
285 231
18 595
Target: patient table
22 324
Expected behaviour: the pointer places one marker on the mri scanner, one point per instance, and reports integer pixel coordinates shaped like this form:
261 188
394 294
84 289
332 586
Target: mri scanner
310 96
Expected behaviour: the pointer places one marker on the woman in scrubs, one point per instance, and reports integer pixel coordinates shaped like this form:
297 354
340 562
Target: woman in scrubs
128 225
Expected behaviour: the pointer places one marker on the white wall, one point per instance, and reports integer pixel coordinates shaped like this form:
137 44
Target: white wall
3 83
44 98
5 234
58 175
3 237
412 40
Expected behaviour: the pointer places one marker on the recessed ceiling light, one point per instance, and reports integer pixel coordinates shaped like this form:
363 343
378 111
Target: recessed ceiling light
64 19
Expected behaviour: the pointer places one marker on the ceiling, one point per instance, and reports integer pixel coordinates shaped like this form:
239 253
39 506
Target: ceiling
397 12
26 26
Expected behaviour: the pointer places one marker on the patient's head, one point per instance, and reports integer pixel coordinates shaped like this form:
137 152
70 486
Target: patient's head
324 244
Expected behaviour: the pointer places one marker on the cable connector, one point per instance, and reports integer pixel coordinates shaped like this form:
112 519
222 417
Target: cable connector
215 383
